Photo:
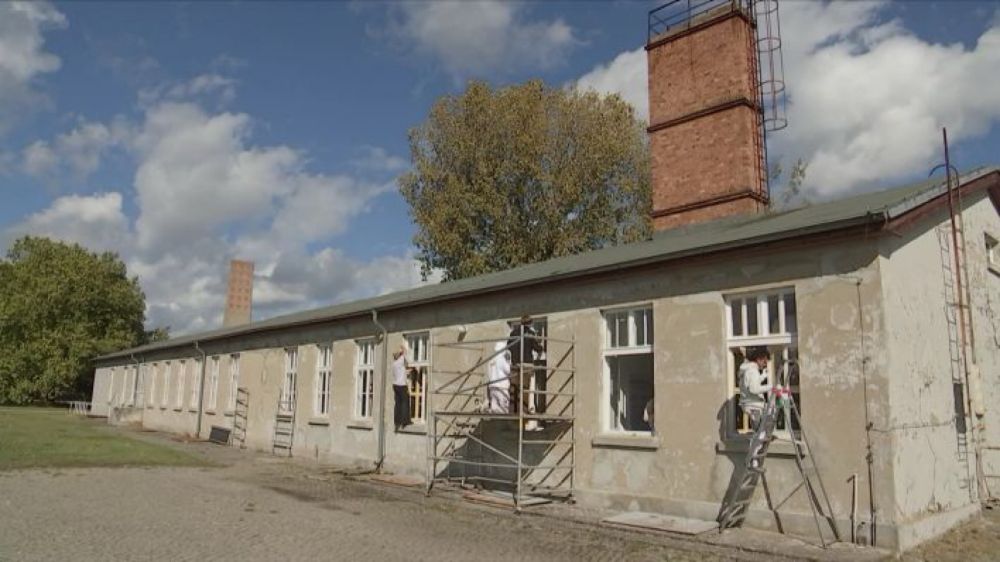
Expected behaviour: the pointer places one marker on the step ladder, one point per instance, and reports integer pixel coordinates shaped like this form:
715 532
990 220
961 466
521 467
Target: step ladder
284 427
734 510
240 414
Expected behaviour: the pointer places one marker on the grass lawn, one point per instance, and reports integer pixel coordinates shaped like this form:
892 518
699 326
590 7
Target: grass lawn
48 437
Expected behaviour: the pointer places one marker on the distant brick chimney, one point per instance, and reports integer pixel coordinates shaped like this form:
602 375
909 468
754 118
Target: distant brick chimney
239 296
705 133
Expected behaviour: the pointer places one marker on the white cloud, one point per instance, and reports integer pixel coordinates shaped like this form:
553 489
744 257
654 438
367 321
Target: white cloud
625 75
39 159
867 98
94 221
223 88
77 152
23 57
204 193
478 37
377 159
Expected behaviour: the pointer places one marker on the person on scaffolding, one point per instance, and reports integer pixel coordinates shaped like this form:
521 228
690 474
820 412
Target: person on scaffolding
498 373
755 384
524 347
400 388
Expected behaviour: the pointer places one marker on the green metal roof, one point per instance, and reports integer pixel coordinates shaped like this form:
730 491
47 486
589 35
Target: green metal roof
723 234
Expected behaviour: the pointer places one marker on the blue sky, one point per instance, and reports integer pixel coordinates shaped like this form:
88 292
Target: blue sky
183 135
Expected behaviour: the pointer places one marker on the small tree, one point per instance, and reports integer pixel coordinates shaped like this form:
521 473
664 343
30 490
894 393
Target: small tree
510 176
60 306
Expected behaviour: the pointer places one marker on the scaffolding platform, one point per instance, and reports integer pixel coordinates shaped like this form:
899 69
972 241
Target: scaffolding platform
523 457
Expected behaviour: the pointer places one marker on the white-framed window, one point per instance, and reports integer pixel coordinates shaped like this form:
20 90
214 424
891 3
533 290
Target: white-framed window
234 380
213 383
287 404
324 380
628 367
179 373
154 372
763 319
420 362
194 375
168 370
365 379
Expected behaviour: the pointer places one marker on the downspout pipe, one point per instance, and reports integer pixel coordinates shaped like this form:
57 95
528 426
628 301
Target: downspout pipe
201 389
381 392
135 379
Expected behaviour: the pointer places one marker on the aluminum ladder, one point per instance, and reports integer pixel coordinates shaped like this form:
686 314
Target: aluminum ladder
284 426
735 509
241 411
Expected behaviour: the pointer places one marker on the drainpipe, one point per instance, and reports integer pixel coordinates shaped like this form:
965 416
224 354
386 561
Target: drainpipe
135 379
201 389
381 395
869 453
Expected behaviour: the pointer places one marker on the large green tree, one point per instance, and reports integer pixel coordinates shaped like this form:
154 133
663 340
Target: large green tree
60 306
509 176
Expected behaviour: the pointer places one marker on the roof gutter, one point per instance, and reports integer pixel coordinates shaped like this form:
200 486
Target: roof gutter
877 217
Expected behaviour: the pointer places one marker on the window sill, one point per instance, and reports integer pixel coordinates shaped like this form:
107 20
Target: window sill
778 447
228 413
318 421
193 410
414 429
178 409
360 424
209 412
995 270
626 441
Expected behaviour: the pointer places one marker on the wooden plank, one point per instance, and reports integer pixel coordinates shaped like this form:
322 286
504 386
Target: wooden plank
399 480
639 520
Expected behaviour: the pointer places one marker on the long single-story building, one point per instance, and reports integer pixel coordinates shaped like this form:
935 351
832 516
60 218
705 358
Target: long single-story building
897 353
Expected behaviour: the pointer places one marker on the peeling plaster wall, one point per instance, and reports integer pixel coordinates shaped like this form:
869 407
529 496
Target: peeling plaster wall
981 219
878 348
934 484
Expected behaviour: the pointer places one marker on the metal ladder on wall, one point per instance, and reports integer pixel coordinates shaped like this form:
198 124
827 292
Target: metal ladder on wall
953 307
240 413
284 426
735 509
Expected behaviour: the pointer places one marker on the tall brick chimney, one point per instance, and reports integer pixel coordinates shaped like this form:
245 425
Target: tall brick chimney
239 296
705 133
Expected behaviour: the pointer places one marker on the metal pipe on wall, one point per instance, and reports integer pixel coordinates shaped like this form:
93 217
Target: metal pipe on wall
381 393
870 453
135 379
201 390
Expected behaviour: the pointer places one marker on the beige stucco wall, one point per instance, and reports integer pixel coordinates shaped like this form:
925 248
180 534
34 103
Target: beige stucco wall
934 482
982 220
687 467
872 349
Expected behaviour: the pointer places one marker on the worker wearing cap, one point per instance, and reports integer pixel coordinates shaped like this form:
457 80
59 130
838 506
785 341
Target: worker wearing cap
524 349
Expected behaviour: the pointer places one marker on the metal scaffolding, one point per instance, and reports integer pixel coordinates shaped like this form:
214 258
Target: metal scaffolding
529 454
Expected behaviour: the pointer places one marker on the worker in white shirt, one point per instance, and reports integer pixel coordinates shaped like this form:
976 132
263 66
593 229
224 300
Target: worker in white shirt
400 388
755 383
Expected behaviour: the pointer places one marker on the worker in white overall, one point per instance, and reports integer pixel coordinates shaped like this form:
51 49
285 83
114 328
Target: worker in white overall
498 378
755 384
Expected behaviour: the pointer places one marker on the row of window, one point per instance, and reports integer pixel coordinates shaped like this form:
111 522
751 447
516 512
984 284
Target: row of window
765 319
